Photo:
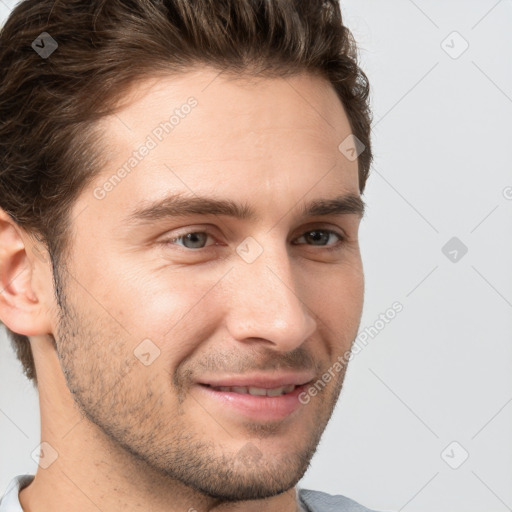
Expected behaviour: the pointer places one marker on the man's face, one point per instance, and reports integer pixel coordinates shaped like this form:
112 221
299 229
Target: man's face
154 319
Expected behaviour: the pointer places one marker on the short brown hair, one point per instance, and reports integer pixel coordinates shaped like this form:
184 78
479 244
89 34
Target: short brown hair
49 148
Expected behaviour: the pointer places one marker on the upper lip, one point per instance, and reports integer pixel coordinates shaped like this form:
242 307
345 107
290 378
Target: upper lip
260 380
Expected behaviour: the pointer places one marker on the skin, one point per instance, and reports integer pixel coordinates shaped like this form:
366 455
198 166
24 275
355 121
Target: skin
135 437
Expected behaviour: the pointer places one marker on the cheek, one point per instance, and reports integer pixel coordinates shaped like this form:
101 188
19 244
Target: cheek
179 308
176 310
337 290
339 306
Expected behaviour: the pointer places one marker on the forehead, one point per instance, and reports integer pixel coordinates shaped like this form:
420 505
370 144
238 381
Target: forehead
266 142
231 108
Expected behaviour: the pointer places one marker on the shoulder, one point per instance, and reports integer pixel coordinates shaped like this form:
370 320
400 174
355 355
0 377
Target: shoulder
317 501
10 501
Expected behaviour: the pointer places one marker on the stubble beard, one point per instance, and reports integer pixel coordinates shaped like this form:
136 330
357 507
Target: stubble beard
131 422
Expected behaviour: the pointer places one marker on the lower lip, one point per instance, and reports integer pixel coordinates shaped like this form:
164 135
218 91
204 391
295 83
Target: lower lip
262 408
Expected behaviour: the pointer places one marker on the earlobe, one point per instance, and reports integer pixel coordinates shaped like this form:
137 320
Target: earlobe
21 309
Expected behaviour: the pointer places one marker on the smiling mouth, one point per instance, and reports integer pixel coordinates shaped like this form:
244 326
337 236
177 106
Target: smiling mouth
254 401
255 391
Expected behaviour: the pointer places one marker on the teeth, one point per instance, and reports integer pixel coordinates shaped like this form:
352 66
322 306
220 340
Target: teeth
275 392
251 390
257 391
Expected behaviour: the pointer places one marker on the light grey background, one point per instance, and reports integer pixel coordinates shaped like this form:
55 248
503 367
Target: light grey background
440 371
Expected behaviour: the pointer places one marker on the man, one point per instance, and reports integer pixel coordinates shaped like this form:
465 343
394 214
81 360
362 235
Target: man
180 270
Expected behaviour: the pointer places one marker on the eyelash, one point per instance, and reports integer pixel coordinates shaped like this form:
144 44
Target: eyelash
342 238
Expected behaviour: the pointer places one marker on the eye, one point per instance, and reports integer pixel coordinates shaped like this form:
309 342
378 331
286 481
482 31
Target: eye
193 240
316 237
320 237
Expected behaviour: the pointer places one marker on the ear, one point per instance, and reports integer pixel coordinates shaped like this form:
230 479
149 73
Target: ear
25 281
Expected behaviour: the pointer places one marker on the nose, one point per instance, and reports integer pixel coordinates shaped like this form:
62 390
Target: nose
266 304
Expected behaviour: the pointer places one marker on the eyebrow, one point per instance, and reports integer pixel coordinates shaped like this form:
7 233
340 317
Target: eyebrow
179 206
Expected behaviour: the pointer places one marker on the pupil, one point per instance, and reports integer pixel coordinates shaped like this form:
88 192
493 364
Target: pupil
195 238
317 236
